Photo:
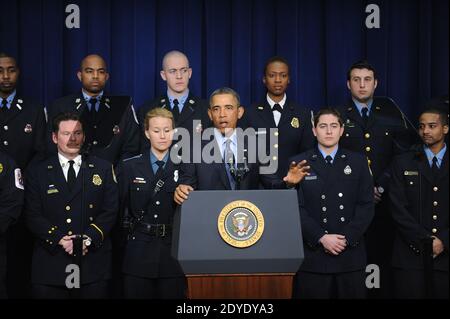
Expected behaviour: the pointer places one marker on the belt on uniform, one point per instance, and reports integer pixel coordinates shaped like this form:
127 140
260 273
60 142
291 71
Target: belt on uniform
155 230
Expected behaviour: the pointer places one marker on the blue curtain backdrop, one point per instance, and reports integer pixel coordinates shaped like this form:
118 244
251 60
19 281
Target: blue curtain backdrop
228 42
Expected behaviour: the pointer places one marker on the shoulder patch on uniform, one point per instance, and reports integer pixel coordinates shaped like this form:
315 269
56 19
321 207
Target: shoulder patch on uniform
18 178
130 158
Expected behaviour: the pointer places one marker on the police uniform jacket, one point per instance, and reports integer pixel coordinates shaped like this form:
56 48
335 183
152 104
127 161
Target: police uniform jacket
112 133
292 136
335 200
22 130
387 134
11 201
52 211
419 206
194 109
146 255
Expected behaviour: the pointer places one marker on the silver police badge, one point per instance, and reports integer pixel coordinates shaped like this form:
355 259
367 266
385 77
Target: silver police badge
28 128
240 224
116 129
347 170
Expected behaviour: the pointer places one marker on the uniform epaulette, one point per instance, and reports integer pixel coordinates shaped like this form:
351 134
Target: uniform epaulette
130 158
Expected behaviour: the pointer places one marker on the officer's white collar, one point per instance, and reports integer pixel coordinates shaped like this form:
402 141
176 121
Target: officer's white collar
64 161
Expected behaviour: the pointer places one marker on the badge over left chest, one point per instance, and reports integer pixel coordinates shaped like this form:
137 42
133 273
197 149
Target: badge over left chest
347 170
96 180
28 128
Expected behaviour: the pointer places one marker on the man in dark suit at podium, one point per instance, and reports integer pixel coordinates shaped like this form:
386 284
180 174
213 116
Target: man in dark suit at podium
336 208
229 166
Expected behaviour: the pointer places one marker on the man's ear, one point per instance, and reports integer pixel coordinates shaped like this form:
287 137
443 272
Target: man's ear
348 85
163 75
79 75
241 111
376 84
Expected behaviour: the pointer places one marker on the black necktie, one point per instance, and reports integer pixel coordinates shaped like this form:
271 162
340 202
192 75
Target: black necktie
277 107
160 169
4 105
175 110
435 168
329 160
71 176
365 116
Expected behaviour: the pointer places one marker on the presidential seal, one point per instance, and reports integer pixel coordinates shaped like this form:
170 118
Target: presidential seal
240 224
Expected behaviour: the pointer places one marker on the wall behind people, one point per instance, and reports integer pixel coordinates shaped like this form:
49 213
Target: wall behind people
228 42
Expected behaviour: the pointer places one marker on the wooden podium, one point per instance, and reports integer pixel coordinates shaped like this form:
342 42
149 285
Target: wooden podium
239 286
218 269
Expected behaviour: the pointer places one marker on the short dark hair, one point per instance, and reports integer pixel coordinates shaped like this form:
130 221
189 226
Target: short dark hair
6 55
442 115
65 116
225 90
362 64
326 111
273 59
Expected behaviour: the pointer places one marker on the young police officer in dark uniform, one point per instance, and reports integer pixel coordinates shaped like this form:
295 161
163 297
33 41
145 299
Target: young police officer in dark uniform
375 128
419 206
111 126
336 208
11 201
291 122
147 183
22 136
185 107
70 197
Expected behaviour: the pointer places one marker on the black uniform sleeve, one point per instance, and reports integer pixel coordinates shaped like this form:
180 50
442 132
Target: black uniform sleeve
105 221
47 233
364 209
311 230
188 175
11 194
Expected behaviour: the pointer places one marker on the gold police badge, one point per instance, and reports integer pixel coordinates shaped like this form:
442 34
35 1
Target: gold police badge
96 180
1 168
240 224
295 123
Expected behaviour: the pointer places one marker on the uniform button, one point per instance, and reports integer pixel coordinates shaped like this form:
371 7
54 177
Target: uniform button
325 220
49 231
157 202
347 135
91 219
411 183
155 216
367 135
95 142
434 217
91 206
368 149
274 158
276 133
434 230
342 219
341 207
387 133
47 240
5 127
67 207
435 203
69 233
326 231
324 209
323 197
137 188
95 126
68 220
435 189
340 194
5 143
275 145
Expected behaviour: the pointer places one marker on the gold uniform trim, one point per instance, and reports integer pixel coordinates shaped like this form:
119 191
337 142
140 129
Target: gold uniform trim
99 230
222 219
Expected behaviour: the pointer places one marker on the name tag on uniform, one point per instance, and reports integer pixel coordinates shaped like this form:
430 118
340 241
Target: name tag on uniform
411 173
139 180
52 189
310 178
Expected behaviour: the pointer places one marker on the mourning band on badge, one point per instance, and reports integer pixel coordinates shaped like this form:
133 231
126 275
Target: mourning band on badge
240 224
